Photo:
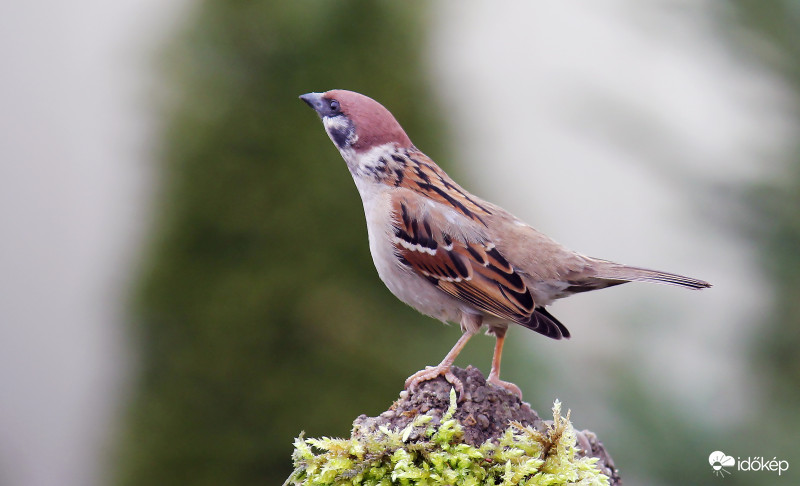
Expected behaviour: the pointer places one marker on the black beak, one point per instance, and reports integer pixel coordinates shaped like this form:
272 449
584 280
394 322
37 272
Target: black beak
314 100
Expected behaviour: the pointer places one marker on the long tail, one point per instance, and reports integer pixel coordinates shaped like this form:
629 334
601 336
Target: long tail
624 273
605 274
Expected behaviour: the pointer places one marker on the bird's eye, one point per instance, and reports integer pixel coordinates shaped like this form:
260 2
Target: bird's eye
334 106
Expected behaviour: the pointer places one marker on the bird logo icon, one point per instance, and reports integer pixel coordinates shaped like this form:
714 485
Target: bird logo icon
719 461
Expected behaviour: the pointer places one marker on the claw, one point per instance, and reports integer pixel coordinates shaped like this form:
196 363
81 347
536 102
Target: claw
493 380
443 368
432 372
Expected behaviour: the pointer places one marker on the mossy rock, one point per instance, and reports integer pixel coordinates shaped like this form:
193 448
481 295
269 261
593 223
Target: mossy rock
429 437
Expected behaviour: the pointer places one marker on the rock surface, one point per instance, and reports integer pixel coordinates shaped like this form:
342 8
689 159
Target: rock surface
484 412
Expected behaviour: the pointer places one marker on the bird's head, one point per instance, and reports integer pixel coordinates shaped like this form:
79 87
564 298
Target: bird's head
356 122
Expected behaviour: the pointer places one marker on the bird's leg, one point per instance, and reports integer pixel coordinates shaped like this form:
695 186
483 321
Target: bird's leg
443 369
494 374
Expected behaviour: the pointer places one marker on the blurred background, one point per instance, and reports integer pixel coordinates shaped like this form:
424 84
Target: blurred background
185 283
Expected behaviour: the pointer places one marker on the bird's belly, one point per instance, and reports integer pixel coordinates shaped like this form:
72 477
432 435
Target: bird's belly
403 282
425 298
411 288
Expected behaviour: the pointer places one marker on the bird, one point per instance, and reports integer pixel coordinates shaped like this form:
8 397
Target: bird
450 254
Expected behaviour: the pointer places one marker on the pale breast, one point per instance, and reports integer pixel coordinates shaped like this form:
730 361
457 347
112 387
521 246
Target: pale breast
405 284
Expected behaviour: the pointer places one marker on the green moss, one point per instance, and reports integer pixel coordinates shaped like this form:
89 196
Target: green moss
521 456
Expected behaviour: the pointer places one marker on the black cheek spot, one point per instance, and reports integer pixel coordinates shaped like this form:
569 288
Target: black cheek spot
340 137
341 134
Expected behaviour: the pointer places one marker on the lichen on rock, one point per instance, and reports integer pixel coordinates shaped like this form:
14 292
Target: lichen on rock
428 437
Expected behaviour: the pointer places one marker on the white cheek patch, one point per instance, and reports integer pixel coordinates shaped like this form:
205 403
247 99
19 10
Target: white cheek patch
334 123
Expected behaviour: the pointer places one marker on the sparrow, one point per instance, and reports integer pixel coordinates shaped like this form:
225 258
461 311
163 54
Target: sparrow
448 253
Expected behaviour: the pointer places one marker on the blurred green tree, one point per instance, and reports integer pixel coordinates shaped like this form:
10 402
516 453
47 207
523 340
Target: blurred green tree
260 313
777 202
776 221
769 32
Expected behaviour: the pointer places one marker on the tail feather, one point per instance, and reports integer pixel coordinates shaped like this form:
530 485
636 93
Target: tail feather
606 274
544 323
613 271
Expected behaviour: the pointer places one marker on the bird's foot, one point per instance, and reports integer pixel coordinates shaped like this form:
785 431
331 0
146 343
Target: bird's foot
496 381
432 372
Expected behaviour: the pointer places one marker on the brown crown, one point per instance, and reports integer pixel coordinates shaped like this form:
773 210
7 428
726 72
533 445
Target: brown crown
373 123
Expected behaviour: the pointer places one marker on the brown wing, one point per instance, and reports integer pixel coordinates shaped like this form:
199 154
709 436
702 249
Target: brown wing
456 256
472 271
417 172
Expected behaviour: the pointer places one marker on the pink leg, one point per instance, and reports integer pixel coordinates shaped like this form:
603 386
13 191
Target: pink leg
494 374
443 368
